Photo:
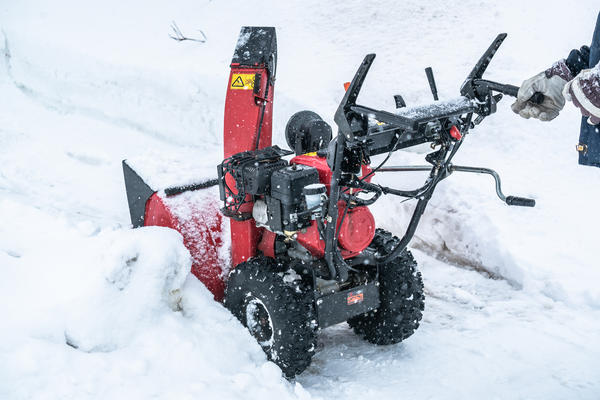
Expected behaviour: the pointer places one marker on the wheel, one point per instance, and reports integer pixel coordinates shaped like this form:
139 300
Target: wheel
277 310
401 296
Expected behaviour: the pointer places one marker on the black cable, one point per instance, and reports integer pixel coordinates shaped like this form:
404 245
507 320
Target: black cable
379 166
262 109
337 233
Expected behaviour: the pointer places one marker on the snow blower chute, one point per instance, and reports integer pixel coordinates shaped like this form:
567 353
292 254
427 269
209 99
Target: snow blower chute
305 250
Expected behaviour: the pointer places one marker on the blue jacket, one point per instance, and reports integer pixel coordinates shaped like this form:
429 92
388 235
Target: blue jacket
589 137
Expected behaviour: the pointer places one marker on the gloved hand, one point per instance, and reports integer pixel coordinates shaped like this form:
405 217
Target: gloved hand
550 83
584 92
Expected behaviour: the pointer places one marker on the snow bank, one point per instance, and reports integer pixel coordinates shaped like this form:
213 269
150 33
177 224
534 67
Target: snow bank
142 272
116 315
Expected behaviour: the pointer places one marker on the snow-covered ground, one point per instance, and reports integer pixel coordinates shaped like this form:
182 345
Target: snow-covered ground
92 309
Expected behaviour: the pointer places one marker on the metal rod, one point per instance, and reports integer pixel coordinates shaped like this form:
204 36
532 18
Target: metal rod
405 168
180 189
337 269
476 170
410 231
479 170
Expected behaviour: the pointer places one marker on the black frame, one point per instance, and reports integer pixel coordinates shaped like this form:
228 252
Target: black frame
397 131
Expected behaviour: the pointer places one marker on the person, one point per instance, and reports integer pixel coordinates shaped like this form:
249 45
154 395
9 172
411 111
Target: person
575 79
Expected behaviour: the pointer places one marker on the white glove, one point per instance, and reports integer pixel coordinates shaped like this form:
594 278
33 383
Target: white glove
553 102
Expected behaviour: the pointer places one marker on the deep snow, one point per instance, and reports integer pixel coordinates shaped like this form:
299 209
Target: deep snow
513 305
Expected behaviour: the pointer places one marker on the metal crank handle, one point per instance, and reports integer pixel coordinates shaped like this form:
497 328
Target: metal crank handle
510 200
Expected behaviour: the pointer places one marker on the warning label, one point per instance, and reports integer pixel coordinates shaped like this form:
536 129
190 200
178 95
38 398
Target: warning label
355 297
242 81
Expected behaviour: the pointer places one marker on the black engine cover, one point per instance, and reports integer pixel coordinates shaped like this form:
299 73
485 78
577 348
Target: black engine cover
287 200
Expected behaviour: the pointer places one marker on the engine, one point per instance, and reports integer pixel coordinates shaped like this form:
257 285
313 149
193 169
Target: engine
288 199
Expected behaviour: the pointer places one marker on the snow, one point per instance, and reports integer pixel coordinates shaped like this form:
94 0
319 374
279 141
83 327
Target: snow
161 171
512 306
443 106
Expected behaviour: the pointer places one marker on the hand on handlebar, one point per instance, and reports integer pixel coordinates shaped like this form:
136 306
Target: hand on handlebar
553 102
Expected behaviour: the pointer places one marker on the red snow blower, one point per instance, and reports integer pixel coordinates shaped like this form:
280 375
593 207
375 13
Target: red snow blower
305 250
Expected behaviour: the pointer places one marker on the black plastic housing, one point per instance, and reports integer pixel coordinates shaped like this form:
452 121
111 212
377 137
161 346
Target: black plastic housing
287 183
257 175
340 306
306 132
287 200
251 171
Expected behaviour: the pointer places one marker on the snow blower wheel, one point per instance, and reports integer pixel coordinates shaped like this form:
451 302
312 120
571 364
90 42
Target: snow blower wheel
401 296
277 311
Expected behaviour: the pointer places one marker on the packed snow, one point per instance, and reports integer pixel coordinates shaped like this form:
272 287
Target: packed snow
91 308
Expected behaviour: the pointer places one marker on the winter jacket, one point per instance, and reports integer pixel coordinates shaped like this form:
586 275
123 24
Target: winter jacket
578 60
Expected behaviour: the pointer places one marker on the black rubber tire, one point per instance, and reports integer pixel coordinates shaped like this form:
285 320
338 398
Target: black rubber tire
290 309
401 296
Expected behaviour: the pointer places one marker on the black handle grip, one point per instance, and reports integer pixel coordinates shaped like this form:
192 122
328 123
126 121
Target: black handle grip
537 98
509 90
520 201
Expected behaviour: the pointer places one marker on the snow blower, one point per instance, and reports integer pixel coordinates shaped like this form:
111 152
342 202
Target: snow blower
305 250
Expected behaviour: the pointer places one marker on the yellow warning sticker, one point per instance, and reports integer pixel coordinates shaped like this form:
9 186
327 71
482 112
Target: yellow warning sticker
242 81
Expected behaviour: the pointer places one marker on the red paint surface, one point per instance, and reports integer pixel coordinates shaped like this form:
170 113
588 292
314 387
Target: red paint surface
242 119
355 233
320 163
267 243
358 228
455 133
200 227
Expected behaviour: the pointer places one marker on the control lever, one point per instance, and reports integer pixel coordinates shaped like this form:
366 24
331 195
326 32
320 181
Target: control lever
431 80
400 103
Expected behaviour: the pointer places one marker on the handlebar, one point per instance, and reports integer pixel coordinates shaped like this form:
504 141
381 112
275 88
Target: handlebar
509 90
358 140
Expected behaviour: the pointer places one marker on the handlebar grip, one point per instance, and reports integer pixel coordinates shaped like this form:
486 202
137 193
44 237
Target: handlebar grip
537 98
520 201
510 90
